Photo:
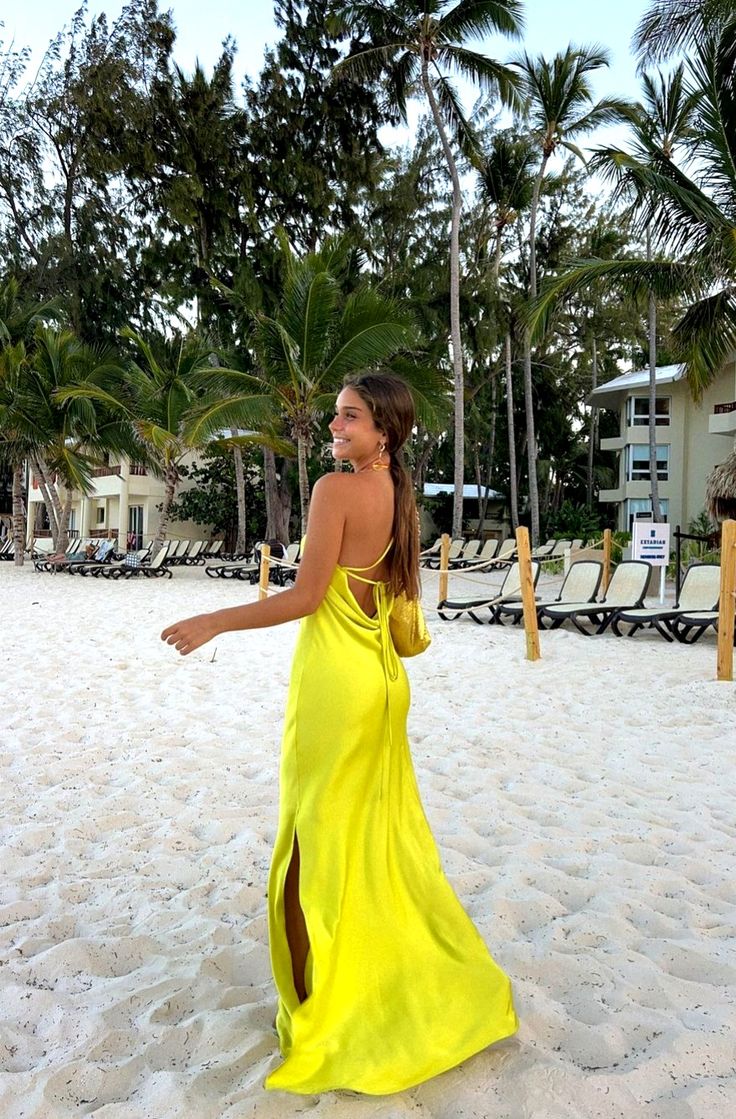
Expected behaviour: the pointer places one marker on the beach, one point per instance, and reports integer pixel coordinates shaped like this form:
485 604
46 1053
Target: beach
584 806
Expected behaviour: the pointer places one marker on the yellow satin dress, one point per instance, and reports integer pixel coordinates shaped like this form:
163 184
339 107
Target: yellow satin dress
400 985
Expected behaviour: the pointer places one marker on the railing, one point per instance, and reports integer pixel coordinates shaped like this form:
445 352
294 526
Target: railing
723 409
105 471
136 468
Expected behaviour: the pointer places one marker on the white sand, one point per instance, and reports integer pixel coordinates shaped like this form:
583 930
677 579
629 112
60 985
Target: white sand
584 807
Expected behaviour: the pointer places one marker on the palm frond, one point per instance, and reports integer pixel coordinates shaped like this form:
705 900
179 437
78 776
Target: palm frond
309 315
705 337
452 112
368 338
236 411
277 443
479 19
482 71
666 279
672 26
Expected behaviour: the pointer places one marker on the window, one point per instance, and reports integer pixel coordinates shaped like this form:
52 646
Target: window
640 509
637 411
100 514
637 462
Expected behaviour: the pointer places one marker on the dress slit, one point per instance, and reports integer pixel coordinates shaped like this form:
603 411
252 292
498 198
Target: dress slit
295 921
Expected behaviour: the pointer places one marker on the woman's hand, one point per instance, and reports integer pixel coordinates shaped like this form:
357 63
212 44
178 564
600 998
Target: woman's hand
189 634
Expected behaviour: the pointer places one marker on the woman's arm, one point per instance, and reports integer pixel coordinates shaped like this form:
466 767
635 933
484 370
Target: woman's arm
327 513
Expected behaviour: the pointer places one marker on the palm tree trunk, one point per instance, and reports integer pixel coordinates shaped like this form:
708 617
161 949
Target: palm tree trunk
301 452
19 521
240 492
64 523
491 455
171 478
455 336
277 509
50 499
513 488
593 426
531 442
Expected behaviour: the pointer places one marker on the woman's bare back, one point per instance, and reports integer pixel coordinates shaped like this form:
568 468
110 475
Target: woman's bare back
368 529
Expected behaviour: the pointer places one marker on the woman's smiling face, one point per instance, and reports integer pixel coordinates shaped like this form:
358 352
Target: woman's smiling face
355 437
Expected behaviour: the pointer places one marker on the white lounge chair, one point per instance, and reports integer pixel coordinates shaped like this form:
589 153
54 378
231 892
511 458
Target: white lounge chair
509 591
699 594
625 591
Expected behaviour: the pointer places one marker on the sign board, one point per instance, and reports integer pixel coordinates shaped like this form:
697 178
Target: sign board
651 542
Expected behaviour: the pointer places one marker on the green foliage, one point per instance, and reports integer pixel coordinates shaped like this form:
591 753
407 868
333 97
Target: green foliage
571 521
212 498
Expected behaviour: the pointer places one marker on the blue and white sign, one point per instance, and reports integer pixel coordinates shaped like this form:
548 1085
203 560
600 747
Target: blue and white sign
651 542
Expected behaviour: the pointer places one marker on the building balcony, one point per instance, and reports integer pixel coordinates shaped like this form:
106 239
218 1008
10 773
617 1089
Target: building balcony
614 443
611 495
723 419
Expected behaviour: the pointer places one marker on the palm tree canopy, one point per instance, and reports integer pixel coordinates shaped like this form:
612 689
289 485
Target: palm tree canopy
395 41
673 26
506 177
559 103
693 216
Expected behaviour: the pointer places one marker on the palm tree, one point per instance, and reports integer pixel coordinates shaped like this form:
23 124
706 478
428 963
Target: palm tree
559 109
506 177
693 214
661 124
17 434
72 433
416 42
159 394
315 339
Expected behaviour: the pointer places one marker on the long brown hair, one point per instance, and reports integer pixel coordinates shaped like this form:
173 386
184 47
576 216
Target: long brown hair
392 409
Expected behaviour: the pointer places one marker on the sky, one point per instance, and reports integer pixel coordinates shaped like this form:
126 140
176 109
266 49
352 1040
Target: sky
201 28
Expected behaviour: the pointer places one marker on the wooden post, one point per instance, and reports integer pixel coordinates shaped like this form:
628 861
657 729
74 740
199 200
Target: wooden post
526 581
607 545
444 565
265 568
727 603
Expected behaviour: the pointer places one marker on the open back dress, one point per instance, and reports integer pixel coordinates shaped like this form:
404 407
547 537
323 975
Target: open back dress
400 986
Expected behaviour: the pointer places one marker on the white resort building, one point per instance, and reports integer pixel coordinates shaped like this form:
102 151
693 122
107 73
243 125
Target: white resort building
124 504
692 438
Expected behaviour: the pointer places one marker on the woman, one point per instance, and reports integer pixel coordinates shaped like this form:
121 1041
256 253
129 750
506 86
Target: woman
383 980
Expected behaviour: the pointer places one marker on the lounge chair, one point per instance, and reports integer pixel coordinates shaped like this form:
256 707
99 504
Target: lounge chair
689 628
435 561
579 585
509 591
542 551
434 550
232 570
506 554
487 552
699 593
194 556
625 591
214 548
155 569
103 557
467 555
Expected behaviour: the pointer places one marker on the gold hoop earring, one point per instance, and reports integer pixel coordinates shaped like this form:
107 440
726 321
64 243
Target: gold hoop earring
379 464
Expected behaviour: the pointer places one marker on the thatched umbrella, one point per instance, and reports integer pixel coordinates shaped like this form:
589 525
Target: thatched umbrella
720 490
